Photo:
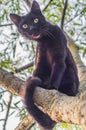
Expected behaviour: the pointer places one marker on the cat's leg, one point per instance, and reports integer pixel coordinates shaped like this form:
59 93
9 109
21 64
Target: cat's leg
69 88
42 72
57 73
70 83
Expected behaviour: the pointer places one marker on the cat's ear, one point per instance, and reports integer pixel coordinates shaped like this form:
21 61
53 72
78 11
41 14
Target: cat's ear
15 18
35 7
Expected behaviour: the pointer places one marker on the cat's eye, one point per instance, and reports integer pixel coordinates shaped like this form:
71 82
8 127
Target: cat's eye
36 20
25 26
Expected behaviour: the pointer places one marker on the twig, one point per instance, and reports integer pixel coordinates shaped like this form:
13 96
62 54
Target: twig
75 16
3 91
47 5
1 119
24 67
7 113
63 13
3 25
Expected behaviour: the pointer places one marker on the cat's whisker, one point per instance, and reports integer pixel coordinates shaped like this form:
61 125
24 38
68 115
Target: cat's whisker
48 33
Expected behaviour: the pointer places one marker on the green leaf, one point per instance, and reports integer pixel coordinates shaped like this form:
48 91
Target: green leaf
64 125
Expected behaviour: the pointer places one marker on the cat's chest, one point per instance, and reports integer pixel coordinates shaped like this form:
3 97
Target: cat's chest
46 53
49 56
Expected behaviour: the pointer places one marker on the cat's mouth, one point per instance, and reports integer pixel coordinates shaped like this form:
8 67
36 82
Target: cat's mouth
34 37
30 36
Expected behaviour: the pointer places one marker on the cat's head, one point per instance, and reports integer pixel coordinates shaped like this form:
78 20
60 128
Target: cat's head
32 25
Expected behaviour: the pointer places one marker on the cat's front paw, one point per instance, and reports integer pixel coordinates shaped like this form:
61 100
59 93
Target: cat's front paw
52 86
49 86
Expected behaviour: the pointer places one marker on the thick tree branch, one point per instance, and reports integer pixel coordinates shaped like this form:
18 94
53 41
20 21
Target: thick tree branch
75 52
10 82
59 106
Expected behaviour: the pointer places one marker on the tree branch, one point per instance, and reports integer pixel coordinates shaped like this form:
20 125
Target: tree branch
10 82
63 13
4 25
47 5
7 113
17 70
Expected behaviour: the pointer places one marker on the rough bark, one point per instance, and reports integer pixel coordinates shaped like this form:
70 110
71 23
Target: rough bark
60 107
26 123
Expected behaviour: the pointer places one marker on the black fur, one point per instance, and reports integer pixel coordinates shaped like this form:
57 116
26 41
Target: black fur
54 64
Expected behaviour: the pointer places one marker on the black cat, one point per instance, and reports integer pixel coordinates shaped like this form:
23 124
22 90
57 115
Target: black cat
54 64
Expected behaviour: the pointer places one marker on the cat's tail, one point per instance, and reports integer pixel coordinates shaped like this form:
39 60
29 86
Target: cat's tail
43 119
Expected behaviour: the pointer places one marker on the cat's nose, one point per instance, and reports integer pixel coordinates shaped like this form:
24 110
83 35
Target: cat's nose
32 27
